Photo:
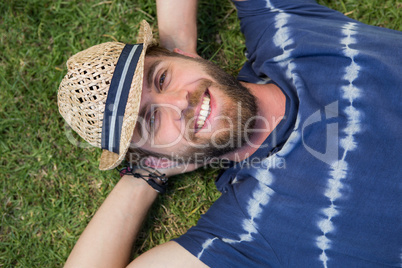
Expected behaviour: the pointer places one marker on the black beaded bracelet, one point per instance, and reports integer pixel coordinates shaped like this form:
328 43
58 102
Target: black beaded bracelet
155 179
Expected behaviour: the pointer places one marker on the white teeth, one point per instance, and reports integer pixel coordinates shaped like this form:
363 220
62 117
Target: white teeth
204 112
205 106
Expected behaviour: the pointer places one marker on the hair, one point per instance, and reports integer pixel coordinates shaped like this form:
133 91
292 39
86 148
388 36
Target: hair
154 50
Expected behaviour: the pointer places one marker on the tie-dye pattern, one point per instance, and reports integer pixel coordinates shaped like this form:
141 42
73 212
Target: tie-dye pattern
339 169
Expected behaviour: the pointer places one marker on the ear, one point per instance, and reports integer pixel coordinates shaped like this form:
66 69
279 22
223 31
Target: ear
159 163
188 54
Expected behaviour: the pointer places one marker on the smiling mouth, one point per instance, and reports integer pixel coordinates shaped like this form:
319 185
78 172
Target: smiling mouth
204 111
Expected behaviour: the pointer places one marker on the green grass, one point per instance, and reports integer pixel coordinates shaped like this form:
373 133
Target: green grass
50 183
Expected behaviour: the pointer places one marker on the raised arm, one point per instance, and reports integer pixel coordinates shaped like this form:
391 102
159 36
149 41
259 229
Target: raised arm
108 238
177 23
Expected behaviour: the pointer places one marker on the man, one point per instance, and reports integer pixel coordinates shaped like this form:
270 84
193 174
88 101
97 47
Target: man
331 115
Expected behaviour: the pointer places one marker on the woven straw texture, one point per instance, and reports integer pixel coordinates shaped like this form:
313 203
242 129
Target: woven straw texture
83 92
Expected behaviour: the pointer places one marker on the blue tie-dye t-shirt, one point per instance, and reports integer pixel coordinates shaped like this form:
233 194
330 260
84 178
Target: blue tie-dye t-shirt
324 190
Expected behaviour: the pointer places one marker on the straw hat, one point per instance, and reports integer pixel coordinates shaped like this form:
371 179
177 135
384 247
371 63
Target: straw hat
100 95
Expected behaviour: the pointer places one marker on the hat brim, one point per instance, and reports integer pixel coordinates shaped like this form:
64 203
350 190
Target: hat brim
110 159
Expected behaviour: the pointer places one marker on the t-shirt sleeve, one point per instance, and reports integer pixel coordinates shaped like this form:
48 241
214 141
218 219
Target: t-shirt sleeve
226 236
273 29
258 17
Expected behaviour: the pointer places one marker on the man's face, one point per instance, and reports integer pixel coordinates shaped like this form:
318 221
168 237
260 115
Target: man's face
189 107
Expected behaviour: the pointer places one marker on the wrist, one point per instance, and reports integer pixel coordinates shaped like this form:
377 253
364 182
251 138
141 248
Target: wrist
137 186
151 176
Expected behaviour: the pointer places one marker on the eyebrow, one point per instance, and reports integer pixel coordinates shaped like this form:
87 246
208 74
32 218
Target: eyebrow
152 71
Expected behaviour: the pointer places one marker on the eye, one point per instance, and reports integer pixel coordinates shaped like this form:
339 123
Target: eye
162 80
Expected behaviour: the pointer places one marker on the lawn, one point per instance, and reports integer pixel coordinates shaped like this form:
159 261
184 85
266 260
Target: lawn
50 182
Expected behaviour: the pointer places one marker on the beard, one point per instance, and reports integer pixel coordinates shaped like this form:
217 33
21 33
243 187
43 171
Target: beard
237 118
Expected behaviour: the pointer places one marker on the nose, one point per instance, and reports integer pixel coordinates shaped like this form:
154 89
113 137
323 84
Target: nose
174 101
